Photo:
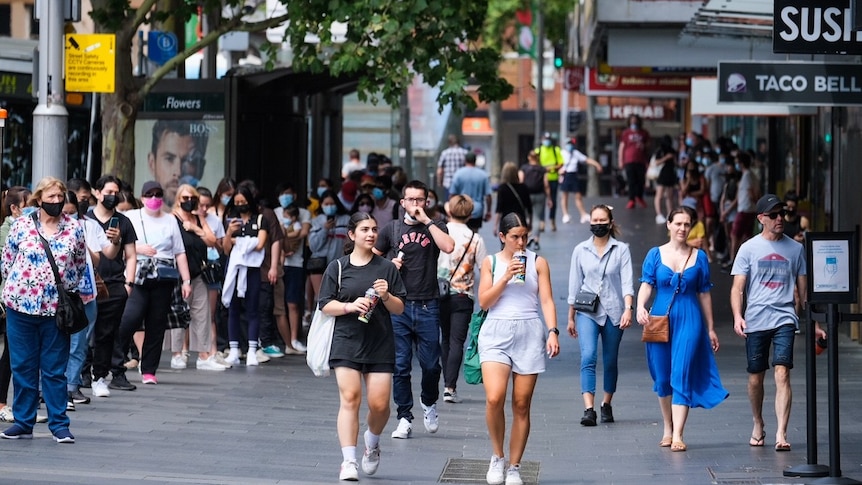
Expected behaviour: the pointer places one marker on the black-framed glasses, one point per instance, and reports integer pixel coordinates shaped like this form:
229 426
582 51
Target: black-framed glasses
773 215
415 200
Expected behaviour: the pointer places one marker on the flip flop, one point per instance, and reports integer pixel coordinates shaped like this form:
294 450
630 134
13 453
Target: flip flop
757 442
666 441
782 446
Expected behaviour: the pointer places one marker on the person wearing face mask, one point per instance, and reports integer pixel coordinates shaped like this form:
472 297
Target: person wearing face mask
12 204
795 225
572 158
473 182
197 237
385 208
326 238
224 192
160 244
39 352
550 157
363 203
601 265
296 222
98 245
633 158
118 274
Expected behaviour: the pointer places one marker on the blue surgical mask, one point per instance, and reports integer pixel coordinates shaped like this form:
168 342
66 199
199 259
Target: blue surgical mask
698 159
321 191
285 199
365 208
546 143
570 147
329 210
225 199
718 150
737 167
721 159
377 193
633 126
73 216
688 142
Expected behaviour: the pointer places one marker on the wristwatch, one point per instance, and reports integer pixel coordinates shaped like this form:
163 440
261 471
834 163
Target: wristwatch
554 331
130 283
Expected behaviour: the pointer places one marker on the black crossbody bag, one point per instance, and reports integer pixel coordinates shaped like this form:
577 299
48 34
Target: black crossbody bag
587 301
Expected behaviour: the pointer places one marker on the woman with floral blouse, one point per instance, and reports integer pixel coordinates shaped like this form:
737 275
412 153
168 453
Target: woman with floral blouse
31 295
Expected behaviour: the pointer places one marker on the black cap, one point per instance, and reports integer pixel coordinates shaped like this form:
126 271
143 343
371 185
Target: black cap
767 203
150 186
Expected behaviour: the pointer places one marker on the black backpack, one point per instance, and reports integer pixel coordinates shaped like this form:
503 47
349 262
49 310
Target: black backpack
534 178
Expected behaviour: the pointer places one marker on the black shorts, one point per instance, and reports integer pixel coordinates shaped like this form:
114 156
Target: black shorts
570 182
363 368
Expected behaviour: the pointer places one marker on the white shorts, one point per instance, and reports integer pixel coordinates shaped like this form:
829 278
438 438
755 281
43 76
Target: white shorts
519 344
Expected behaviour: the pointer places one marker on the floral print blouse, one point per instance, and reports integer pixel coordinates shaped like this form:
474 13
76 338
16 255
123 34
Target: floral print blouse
30 287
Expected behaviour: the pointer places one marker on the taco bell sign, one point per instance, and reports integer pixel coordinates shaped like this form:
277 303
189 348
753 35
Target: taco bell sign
821 27
793 83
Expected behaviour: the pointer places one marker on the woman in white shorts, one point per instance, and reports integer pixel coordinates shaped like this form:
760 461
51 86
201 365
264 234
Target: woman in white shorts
513 342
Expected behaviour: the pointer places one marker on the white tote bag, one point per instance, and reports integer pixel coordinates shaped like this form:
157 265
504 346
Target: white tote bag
320 339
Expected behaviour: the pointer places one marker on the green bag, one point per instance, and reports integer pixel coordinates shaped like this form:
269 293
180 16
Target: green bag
472 366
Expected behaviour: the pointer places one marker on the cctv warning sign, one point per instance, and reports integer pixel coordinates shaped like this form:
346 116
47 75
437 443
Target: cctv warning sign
90 60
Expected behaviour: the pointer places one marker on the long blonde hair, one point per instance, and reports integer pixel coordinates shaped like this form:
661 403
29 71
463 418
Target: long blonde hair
43 185
181 189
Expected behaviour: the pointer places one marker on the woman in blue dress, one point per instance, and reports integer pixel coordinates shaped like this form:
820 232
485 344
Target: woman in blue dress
683 369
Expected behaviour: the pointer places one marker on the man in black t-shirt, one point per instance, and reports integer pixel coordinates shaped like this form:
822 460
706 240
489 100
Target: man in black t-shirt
119 276
420 239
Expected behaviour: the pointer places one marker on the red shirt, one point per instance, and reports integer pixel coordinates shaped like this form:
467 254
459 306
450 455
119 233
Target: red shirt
635 143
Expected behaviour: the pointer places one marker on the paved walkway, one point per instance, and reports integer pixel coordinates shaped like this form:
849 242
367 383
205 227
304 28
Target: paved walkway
275 424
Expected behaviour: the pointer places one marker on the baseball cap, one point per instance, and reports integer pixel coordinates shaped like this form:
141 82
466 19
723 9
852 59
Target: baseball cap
767 203
151 186
367 180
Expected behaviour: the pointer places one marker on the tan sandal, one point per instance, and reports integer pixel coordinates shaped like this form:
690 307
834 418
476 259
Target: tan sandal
666 441
678 446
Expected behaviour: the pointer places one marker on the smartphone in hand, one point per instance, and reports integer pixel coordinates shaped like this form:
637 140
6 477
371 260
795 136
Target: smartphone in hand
114 223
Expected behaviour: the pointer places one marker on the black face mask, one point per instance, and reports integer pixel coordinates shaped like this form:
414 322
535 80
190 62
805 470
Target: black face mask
83 206
53 209
189 205
110 201
243 208
600 230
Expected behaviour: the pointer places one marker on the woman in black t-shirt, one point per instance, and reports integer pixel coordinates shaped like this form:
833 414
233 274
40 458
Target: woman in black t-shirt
362 351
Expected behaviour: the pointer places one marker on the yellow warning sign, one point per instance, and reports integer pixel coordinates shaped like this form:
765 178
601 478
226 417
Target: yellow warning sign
90 62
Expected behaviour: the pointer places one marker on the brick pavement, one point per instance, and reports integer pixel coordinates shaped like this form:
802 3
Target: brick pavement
275 424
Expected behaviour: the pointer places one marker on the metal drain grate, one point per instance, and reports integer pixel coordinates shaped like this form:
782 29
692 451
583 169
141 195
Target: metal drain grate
460 470
746 475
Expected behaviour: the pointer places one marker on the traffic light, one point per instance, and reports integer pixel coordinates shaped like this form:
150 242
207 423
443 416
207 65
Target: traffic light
559 55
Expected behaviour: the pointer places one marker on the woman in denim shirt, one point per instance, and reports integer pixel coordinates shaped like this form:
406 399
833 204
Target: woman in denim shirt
600 254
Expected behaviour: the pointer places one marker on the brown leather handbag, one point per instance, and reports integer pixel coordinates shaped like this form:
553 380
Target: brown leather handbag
657 329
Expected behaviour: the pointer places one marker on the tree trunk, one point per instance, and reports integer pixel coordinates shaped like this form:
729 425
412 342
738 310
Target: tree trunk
119 113
495 119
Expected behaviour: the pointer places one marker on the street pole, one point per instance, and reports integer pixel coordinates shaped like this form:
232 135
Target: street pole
3 116
50 118
540 67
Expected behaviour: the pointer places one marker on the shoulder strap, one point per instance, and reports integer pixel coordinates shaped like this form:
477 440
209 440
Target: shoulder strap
679 280
515 192
466 250
143 229
602 280
48 253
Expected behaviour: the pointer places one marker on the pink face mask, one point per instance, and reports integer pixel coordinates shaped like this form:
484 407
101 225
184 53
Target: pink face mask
153 203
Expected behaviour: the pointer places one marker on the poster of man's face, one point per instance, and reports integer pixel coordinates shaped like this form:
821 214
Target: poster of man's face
176 152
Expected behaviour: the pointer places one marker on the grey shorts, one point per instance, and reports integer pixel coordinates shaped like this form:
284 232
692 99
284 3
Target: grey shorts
519 344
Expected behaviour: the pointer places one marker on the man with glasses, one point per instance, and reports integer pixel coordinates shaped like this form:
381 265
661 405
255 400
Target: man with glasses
769 268
414 243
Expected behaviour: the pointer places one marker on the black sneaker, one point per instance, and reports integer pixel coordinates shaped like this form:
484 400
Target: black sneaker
120 383
607 413
86 380
589 418
78 397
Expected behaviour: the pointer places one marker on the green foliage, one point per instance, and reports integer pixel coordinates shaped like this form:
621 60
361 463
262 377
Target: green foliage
390 41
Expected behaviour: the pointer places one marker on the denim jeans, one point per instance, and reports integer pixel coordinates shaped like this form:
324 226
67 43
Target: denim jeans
588 337
37 349
418 326
78 344
454 325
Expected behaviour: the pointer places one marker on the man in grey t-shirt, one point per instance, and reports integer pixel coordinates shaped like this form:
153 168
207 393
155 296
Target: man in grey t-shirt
769 267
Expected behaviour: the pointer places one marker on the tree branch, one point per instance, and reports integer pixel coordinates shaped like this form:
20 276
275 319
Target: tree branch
142 12
234 25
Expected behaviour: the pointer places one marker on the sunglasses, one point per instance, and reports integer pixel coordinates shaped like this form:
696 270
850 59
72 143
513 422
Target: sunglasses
158 194
773 215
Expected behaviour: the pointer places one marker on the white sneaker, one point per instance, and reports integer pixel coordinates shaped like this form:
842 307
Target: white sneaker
496 471
297 345
6 415
660 219
566 219
349 471
431 421
404 429
220 360
451 396
371 460
177 362
513 475
252 358
100 388
208 364
585 219
260 355
232 357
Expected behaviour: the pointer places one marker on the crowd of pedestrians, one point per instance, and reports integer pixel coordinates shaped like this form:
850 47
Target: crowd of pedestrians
233 275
